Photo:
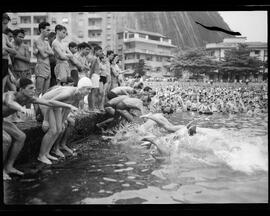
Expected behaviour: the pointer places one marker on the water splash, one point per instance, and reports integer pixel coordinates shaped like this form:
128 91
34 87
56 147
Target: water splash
216 148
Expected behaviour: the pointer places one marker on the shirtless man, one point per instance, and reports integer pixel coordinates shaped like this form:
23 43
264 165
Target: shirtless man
62 55
21 61
122 106
54 119
120 90
42 50
7 51
12 136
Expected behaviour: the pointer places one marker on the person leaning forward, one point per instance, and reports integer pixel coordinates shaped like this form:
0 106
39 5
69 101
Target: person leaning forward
12 136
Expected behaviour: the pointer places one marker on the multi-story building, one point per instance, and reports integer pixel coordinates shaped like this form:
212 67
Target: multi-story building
90 27
154 48
257 49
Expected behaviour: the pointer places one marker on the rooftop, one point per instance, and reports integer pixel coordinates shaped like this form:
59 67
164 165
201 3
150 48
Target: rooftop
142 32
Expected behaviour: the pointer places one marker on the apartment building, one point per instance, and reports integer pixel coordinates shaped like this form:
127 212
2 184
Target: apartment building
156 50
91 27
257 49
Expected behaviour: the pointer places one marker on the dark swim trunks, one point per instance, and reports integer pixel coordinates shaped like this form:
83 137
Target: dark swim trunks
111 95
103 79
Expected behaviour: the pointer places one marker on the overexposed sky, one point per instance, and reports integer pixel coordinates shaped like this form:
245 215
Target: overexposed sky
251 24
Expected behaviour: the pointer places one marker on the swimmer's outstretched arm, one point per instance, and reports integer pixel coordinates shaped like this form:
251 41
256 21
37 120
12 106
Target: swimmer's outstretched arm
162 121
54 103
160 149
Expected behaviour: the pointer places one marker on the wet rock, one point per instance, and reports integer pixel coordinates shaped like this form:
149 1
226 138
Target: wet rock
125 185
102 191
144 170
102 183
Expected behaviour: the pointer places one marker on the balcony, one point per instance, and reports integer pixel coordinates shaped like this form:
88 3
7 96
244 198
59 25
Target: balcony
148 41
95 39
94 27
150 52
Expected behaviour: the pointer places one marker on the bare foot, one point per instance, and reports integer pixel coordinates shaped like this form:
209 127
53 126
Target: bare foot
45 160
59 153
67 149
6 176
12 170
51 157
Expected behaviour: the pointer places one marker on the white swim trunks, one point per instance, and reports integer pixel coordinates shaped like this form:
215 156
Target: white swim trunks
95 80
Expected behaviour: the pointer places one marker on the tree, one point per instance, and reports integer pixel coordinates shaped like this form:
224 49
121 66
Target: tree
196 61
238 63
140 68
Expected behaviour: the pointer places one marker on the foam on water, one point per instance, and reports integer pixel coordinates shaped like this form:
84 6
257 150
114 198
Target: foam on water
215 148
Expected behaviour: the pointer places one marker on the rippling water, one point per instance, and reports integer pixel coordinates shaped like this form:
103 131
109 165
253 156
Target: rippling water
229 166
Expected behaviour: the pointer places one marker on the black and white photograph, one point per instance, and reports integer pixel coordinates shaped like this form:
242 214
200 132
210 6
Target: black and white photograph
135 107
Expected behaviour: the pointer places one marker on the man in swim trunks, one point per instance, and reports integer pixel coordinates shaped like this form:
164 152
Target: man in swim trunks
12 136
54 119
42 50
120 90
123 106
62 55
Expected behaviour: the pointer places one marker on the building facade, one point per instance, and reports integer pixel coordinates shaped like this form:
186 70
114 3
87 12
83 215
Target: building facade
90 27
155 49
257 49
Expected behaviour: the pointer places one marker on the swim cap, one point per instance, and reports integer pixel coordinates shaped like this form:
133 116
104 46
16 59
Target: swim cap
85 82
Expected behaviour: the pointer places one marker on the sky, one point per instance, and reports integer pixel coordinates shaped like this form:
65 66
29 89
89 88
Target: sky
251 24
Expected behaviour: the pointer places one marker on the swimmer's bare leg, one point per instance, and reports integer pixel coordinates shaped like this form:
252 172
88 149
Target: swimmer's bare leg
18 138
63 142
48 138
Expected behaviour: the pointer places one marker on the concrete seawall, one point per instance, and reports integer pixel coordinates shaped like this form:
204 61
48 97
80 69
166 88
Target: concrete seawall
85 125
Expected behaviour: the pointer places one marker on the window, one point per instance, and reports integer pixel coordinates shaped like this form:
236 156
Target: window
25 19
159 59
138 56
152 37
53 20
126 34
148 58
39 19
120 36
14 21
166 39
36 32
142 35
27 31
130 45
93 34
257 52
131 35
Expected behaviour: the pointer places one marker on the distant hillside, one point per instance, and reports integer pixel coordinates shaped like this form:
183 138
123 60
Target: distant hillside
179 26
